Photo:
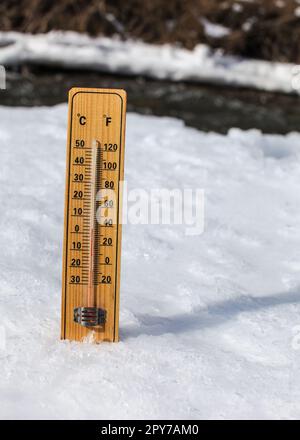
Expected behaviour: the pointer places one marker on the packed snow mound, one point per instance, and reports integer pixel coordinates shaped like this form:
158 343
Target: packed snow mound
209 324
79 51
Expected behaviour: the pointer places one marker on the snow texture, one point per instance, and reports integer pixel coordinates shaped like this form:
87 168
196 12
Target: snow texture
209 324
214 30
72 50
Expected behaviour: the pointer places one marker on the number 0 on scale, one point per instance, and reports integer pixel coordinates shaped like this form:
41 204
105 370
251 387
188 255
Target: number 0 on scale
92 231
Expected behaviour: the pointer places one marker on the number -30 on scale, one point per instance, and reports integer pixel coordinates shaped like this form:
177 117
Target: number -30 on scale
92 229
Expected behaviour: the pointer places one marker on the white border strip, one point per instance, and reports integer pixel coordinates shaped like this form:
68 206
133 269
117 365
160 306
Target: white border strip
2 78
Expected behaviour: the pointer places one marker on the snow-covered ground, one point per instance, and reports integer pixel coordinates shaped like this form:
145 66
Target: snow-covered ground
72 50
209 324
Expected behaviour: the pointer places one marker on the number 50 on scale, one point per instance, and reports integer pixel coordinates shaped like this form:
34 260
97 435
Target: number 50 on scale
92 232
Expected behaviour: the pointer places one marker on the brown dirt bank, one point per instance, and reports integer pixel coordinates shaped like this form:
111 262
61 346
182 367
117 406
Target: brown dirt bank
266 29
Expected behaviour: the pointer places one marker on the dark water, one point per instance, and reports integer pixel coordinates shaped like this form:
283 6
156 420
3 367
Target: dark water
208 108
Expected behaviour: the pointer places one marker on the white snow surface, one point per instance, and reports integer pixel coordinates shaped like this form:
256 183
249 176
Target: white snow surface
214 30
209 324
73 50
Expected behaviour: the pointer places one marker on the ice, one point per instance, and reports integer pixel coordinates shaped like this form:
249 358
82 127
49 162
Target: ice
78 51
209 324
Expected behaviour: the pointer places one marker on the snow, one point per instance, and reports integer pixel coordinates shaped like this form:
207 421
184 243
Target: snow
214 30
72 50
209 324
237 7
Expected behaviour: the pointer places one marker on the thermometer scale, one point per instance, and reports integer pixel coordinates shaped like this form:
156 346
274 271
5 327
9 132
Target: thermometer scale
92 230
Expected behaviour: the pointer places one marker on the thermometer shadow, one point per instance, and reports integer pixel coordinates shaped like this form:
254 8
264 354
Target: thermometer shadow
202 318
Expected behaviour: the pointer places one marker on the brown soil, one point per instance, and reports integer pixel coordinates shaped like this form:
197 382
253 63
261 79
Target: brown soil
267 29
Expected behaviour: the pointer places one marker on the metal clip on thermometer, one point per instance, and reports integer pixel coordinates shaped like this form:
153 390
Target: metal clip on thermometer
92 235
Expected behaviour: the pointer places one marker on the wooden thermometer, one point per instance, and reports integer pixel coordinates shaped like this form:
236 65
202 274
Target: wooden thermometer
92 234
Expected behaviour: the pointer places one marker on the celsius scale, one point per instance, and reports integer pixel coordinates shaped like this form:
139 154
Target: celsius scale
92 229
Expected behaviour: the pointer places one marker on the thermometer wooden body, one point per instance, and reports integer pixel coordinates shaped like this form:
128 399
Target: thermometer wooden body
92 229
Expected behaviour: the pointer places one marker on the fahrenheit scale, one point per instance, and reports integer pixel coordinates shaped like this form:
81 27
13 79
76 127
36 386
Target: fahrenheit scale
92 234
